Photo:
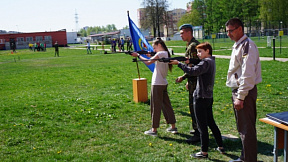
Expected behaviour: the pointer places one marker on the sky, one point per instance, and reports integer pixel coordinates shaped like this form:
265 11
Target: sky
53 15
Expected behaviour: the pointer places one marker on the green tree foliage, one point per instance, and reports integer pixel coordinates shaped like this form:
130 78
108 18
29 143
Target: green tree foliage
272 12
191 18
212 14
97 29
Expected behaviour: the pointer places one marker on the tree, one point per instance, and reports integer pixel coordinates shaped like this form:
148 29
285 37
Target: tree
192 17
272 12
213 14
154 15
97 29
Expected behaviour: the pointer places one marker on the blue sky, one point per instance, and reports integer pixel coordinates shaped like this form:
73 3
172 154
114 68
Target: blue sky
42 15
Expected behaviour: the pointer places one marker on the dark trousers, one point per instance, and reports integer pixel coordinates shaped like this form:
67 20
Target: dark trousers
246 125
191 88
56 53
205 119
89 50
160 101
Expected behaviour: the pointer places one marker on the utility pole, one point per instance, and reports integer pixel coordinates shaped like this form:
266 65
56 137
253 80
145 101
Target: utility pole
76 21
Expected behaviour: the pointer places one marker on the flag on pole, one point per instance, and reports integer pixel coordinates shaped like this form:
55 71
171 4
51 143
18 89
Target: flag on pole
139 41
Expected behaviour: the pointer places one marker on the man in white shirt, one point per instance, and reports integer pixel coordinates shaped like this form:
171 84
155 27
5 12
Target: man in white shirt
244 74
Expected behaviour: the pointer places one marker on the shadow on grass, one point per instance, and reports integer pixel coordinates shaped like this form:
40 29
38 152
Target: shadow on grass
185 136
263 147
229 145
184 113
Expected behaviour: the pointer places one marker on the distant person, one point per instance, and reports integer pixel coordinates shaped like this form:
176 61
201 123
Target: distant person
38 46
41 46
30 46
88 48
244 74
13 47
35 46
56 46
186 33
45 47
119 44
127 43
114 45
122 44
130 45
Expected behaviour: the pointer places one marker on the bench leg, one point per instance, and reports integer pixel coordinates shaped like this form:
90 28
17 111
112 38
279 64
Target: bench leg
285 145
275 151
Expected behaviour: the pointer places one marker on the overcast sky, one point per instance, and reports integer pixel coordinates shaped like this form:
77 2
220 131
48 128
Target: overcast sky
52 15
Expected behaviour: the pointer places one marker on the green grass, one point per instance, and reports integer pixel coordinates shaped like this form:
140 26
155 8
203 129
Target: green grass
79 107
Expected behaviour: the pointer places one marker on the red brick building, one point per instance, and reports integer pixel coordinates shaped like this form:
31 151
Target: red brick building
22 40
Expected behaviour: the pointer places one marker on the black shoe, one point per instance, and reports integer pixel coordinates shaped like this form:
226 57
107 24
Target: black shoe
199 155
193 139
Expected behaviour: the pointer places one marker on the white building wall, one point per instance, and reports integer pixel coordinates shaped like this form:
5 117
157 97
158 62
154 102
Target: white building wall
71 37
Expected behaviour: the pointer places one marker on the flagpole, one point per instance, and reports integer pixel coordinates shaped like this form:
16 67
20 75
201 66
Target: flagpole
136 59
139 85
138 69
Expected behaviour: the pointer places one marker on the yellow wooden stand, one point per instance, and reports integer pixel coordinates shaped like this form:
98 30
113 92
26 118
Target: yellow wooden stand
140 90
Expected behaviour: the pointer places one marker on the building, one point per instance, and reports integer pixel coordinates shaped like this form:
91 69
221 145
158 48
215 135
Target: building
172 17
103 36
74 38
123 33
21 40
140 16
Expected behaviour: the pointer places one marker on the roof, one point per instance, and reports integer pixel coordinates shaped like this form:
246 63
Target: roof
103 34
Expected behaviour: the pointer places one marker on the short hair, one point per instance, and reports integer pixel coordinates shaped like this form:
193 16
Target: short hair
236 22
205 46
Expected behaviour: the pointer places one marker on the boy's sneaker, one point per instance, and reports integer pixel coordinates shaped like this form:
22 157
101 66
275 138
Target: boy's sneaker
172 130
222 151
150 133
199 155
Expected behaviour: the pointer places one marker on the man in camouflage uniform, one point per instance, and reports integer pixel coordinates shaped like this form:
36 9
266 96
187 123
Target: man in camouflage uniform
186 33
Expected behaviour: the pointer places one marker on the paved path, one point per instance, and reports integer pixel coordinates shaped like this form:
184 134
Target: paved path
228 57
217 56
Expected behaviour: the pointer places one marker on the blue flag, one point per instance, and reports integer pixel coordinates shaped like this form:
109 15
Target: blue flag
139 42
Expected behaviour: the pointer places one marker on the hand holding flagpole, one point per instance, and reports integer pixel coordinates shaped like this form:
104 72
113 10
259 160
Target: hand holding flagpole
134 54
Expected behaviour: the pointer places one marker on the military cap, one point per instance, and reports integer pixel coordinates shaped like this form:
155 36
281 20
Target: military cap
184 26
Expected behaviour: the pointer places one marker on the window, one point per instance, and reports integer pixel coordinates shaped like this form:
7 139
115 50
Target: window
47 38
39 38
20 39
29 39
2 41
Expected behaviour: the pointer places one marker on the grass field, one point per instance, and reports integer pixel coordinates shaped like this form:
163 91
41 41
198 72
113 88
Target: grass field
79 107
